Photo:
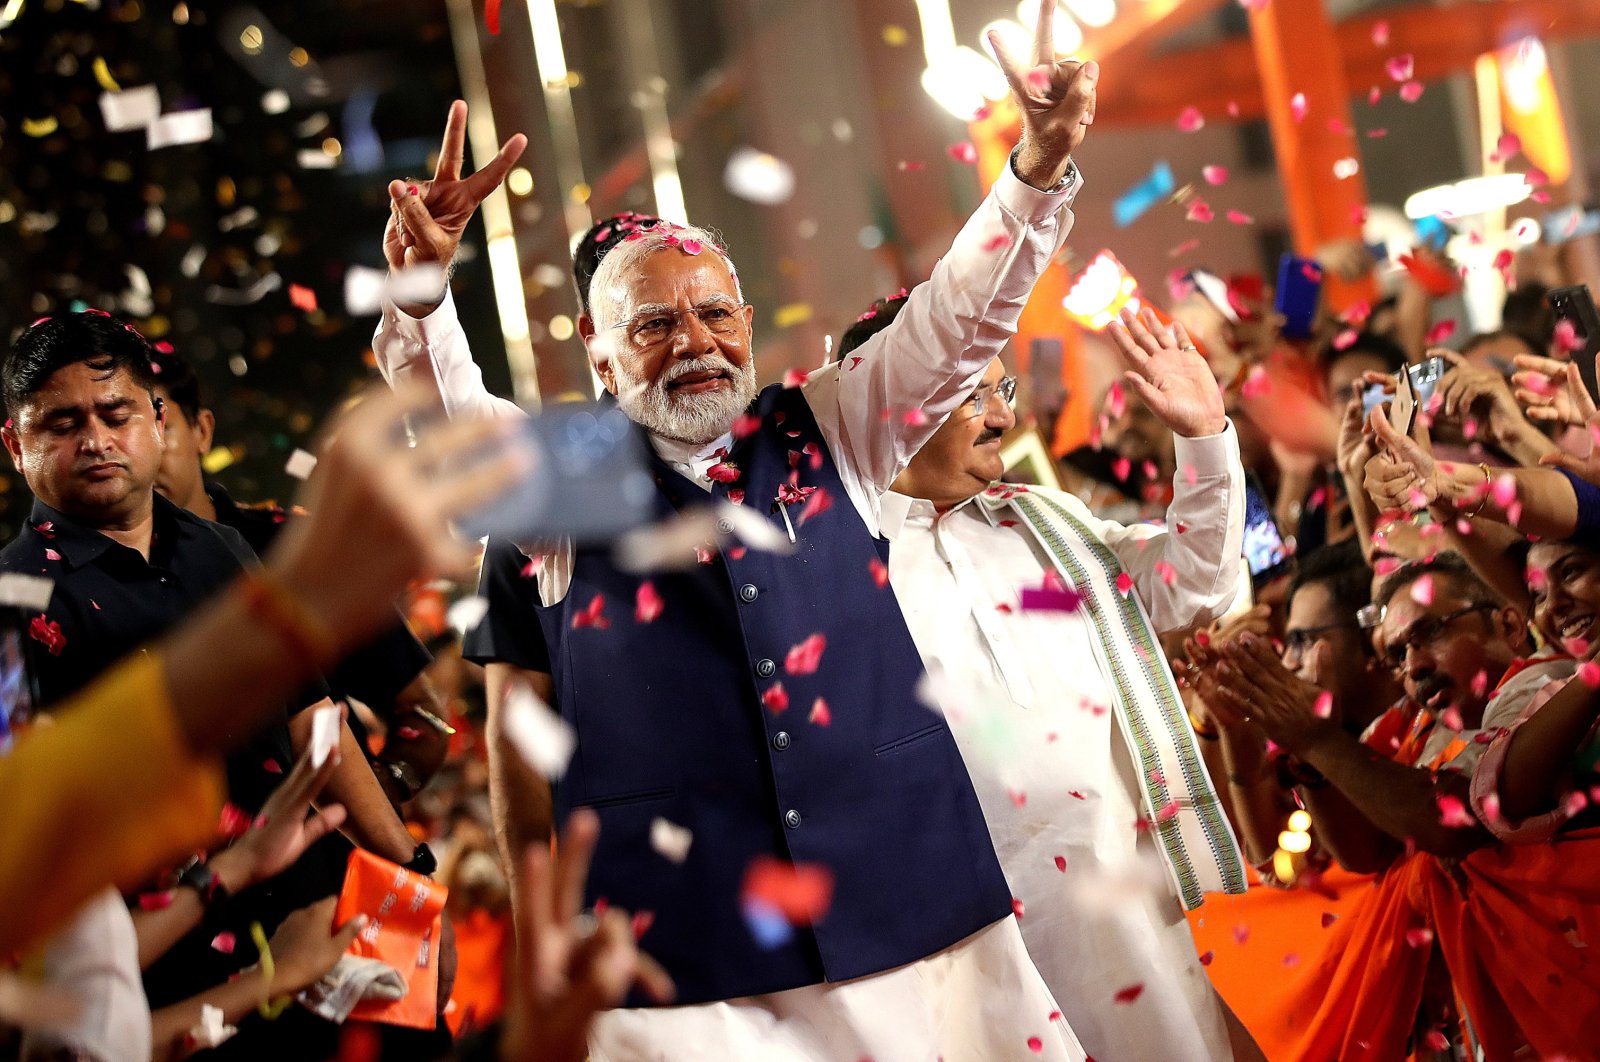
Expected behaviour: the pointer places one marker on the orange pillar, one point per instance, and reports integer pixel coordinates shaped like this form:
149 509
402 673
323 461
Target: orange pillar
1297 53
994 136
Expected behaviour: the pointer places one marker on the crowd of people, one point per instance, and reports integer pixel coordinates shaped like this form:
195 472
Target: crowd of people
878 755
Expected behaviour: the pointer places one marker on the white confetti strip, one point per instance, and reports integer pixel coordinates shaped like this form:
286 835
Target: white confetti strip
540 736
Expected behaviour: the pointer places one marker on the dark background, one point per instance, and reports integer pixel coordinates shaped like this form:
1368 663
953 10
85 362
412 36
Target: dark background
80 205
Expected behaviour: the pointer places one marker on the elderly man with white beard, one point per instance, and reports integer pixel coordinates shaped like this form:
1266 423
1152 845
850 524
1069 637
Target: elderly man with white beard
683 710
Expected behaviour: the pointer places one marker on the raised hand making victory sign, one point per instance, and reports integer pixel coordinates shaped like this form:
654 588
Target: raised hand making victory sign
427 218
1056 99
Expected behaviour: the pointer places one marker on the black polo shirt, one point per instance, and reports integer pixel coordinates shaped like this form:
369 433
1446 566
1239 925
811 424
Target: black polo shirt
373 674
108 601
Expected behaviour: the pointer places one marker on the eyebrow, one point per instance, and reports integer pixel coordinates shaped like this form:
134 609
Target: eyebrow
110 405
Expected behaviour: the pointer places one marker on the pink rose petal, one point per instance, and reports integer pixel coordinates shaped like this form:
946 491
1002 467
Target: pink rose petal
1411 91
963 152
1298 107
1190 120
1239 217
1215 174
1401 67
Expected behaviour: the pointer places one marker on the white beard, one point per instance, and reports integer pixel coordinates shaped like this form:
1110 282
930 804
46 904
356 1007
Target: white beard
687 418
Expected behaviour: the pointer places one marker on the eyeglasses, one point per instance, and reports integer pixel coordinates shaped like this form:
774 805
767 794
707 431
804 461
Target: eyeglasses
1424 632
1006 389
1302 638
657 326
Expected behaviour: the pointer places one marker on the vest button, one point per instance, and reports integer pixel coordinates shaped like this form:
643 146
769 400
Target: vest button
780 740
748 592
765 668
725 526
791 819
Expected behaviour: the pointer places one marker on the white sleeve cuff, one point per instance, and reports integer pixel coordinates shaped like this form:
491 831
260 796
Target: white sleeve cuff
1024 201
1208 456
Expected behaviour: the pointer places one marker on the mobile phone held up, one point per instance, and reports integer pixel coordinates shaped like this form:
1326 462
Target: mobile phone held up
1575 305
1298 294
588 479
1266 554
19 689
1413 389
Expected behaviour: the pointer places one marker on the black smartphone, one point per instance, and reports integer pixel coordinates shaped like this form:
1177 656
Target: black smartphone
589 479
1298 294
19 688
1576 306
1265 552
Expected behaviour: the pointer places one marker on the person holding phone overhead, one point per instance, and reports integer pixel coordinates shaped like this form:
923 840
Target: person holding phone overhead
765 701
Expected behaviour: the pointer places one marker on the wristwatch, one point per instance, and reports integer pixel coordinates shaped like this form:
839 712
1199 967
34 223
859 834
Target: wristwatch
423 862
1067 179
199 877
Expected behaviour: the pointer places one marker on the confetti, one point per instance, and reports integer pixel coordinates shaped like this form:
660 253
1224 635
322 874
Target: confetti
1298 107
541 737
1440 332
1124 584
879 570
1508 146
325 733
1380 32
1239 217
775 699
302 298
212 1030
1208 958
1129 994
895 36
47 632
795 377
1323 709
1061 863
177 128
224 942
300 465
800 892
1454 813
1215 175
1199 211
963 152
647 603
670 840
996 242
1190 120
818 503
1419 937
1567 339
40 127
491 16
1589 674
27 592
593 615
1422 589
1256 382
803 659
1050 599
1150 190
820 714
1401 67
1036 1045
671 545
102 74
1411 91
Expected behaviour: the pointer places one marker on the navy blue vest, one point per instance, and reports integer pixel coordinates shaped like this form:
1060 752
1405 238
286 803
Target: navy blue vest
670 723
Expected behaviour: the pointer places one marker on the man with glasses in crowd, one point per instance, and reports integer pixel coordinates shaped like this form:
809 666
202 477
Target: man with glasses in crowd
1037 623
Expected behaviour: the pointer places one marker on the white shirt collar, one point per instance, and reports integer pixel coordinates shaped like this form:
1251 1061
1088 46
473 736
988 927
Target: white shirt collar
691 459
897 511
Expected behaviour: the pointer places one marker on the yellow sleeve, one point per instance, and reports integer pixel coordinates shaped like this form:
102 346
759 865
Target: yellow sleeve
106 794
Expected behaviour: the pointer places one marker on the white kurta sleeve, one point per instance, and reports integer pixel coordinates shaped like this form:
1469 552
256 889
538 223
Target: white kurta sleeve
435 350
1188 572
891 394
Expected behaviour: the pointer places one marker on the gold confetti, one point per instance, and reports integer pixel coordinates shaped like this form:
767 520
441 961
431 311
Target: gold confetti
792 314
218 459
40 126
102 74
895 36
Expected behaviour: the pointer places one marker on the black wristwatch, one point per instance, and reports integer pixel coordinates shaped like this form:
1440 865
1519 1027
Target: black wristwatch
422 861
199 877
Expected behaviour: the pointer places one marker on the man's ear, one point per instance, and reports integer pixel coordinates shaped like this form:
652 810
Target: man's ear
13 441
585 327
600 355
159 404
205 427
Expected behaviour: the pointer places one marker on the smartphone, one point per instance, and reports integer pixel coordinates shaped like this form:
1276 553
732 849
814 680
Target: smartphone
1265 554
19 688
1298 294
1576 305
1424 379
589 479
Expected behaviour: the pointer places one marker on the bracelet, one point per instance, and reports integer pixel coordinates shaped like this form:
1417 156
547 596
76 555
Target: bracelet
269 1008
1487 479
266 598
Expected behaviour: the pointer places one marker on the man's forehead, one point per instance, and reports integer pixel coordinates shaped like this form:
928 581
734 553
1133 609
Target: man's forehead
82 381
669 276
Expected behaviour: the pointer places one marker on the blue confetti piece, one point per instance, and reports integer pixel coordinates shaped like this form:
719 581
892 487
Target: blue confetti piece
1130 205
766 924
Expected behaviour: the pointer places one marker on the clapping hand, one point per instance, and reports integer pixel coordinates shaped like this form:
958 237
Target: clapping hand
1552 390
427 219
569 967
1251 685
1056 99
1167 372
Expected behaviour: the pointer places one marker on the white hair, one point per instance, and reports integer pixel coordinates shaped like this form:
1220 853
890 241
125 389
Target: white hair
610 301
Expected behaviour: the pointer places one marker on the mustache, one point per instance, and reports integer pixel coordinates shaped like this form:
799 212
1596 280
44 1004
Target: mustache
989 435
710 363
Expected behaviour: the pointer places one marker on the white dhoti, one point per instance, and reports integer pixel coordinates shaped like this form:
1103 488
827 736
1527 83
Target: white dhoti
980 999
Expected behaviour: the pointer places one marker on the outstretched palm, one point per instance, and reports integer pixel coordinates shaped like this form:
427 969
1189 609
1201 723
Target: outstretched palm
1166 370
1055 97
425 226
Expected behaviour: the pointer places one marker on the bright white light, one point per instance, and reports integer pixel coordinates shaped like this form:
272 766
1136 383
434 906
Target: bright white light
1016 40
506 274
963 81
1346 167
1475 195
1093 12
938 31
758 177
1068 34
1523 73
275 101
547 50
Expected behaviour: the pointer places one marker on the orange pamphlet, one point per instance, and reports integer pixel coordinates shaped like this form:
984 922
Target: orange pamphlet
404 912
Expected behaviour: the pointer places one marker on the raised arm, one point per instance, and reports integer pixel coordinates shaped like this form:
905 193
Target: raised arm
888 398
1188 573
420 337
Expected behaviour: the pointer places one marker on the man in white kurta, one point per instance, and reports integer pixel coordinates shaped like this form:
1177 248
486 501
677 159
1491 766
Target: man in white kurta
1030 696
